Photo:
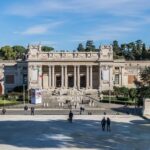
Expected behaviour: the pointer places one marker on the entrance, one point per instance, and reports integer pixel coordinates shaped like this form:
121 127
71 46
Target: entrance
70 81
58 81
83 81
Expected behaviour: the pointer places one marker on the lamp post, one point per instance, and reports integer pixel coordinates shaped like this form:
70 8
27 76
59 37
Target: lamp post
109 85
3 84
23 94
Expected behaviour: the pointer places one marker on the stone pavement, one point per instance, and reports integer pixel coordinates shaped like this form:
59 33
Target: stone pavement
18 132
110 109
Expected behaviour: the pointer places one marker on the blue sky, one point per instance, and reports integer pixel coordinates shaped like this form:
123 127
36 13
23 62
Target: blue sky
63 24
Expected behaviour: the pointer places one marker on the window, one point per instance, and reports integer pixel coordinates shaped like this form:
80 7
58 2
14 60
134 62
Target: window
116 68
9 79
116 78
131 79
24 78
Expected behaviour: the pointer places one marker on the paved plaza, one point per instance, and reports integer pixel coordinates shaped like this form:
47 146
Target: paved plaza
18 132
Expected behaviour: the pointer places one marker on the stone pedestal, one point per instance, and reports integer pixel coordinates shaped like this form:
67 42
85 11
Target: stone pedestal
146 107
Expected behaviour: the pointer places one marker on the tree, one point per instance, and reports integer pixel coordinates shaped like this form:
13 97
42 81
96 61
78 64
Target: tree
145 76
121 91
130 51
80 47
137 51
144 52
116 50
19 50
8 53
132 93
90 46
144 92
47 48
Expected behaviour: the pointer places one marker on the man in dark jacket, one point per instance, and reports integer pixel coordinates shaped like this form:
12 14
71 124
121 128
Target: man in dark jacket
32 110
103 123
108 124
70 116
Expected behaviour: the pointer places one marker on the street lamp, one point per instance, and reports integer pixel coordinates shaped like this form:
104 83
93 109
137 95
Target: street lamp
23 94
109 85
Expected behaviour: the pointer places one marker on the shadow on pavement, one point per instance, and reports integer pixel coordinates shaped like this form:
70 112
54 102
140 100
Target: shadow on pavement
128 110
79 134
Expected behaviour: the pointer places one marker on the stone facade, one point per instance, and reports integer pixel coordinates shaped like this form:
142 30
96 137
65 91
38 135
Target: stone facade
86 71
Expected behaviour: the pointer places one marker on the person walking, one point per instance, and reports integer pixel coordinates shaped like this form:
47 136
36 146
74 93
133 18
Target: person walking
3 111
32 110
103 123
70 116
80 110
25 109
108 124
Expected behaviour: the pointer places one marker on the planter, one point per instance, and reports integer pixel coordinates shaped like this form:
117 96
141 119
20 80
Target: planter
146 107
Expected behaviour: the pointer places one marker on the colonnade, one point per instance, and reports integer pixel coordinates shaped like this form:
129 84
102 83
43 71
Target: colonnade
76 76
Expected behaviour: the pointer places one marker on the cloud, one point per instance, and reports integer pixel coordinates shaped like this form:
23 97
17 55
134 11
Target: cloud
40 29
46 42
110 31
35 7
113 7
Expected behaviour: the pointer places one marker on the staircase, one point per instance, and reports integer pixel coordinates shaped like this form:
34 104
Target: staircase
69 97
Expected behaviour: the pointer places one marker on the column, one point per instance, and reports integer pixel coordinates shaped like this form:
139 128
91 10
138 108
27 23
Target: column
62 76
50 77
91 77
87 77
100 78
120 77
75 77
29 72
78 75
66 77
41 76
110 77
53 76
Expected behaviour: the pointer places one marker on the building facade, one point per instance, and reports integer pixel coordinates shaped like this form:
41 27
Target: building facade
85 71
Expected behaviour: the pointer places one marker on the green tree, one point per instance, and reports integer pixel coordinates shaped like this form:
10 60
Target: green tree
47 48
145 76
129 53
90 46
8 53
80 47
116 50
144 92
144 52
137 51
121 91
133 93
19 50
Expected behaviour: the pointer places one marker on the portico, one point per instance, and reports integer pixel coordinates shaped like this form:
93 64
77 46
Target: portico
69 76
70 70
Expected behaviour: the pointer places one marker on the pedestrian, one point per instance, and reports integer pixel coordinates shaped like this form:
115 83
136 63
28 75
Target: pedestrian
108 124
104 113
3 111
32 110
75 106
25 108
103 123
80 110
70 116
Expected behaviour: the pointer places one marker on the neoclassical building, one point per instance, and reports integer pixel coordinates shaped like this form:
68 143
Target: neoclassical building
84 71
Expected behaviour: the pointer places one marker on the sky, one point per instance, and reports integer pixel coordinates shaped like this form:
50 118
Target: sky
63 24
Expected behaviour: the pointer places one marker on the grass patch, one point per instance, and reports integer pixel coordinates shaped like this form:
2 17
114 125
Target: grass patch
8 102
117 101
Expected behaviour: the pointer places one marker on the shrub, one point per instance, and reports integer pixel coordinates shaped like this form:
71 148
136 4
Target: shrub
19 89
107 92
